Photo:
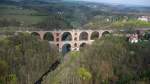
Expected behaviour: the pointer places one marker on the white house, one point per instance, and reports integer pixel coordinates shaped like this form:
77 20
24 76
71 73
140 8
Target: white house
144 18
133 38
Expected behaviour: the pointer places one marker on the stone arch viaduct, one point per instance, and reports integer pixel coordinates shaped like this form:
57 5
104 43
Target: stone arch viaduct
70 40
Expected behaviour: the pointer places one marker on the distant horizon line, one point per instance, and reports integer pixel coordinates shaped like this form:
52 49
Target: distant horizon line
108 3
115 4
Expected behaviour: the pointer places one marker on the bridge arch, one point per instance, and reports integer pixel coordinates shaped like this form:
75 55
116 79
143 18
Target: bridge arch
66 36
94 35
83 36
82 45
36 34
147 36
48 36
66 48
105 33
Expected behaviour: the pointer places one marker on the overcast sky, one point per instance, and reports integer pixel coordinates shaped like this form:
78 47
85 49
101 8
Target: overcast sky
127 2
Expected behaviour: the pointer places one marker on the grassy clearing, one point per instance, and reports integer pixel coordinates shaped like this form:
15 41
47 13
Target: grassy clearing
10 10
25 19
25 16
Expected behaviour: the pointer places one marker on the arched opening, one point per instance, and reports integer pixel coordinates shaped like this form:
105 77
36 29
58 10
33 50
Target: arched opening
48 36
66 36
75 45
83 36
147 36
35 34
58 45
75 39
66 48
94 35
105 33
82 45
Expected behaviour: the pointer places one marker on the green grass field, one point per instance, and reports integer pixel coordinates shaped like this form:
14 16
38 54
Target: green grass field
25 19
25 16
15 10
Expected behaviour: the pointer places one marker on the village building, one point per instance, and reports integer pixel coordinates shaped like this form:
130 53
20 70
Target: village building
133 38
144 18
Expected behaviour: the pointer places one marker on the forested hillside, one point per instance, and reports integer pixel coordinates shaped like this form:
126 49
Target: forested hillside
50 15
24 58
110 60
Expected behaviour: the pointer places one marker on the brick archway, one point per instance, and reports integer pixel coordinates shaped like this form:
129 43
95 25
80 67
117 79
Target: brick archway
83 45
66 36
105 33
66 48
48 36
94 35
36 34
83 36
